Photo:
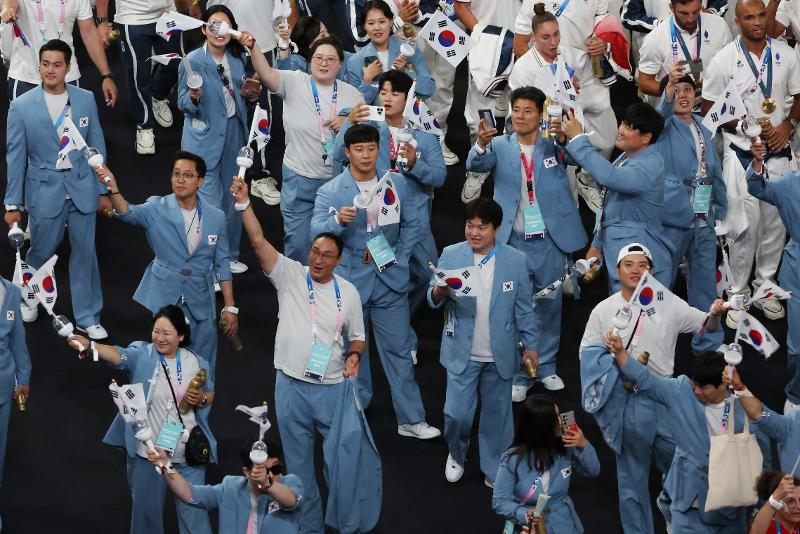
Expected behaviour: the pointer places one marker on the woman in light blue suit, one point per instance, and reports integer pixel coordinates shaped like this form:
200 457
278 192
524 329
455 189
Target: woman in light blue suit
306 32
541 461
164 368
215 118
383 53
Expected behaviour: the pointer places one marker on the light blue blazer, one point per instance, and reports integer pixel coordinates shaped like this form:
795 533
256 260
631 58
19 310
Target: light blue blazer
785 429
32 146
553 194
232 498
355 72
680 164
205 124
429 171
339 193
510 311
175 272
139 360
15 363
687 480
516 476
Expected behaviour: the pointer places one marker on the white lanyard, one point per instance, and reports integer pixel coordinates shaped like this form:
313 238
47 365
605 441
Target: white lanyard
40 17
702 154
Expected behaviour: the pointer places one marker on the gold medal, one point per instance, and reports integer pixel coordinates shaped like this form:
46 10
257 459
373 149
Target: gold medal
768 105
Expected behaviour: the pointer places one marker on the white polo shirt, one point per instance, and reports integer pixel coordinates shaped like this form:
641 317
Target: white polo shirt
495 12
576 23
659 339
254 16
138 12
24 65
526 69
788 14
656 52
730 63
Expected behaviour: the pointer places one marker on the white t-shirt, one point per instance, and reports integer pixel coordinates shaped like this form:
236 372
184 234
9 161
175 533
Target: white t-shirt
659 339
254 16
24 64
730 61
495 12
656 52
230 103
191 228
294 337
55 105
161 404
481 335
714 414
788 14
303 148
137 12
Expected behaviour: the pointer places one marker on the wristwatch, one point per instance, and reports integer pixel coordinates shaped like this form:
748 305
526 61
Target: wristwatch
231 309
99 20
107 76
12 207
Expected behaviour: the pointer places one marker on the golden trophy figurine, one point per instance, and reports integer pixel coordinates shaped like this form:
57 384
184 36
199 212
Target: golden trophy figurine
532 369
541 526
643 358
195 384
234 340
21 400
113 35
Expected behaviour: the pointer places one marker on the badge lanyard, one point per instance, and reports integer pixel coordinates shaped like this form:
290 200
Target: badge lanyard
40 17
726 413
312 304
562 8
529 178
179 373
319 113
532 491
678 39
637 333
779 530
60 120
199 214
766 64
702 142
488 257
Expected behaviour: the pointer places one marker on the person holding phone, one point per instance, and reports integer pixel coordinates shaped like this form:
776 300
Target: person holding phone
540 217
539 463
382 53
164 368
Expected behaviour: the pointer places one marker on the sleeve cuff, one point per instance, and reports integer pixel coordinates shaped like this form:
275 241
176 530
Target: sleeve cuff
481 151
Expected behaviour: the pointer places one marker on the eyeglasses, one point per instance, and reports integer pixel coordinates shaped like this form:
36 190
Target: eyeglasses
325 60
178 175
327 256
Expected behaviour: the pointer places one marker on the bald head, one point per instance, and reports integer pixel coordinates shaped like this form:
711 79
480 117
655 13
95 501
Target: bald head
751 16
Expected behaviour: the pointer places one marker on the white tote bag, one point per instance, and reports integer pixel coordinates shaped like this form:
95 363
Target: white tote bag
734 463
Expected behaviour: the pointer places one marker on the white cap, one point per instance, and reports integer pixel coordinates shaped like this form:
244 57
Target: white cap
634 248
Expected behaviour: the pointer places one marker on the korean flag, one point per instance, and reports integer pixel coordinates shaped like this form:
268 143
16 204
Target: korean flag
464 282
387 201
446 38
753 333
728 106
172 22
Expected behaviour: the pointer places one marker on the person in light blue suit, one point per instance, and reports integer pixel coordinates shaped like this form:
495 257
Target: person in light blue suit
189 239
541 461
215 119
540 186
633 189
381 54
277 496
162 367
15 363
305 32
783 192
479 339
376 253
694 191
424 172
697 409
57 198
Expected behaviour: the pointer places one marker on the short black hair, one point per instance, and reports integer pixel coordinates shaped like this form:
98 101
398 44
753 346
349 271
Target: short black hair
528 93
645 119
686 78
274 450
234 47
399 80
333 237
304 33
485 209
56 45
768 481
380 5
707 368
176 317
361 133
199 162
330 40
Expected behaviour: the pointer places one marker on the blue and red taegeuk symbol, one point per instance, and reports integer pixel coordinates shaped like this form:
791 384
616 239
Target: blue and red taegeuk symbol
63 142
415 107
756 337
455 283
719 276
26 277
646 296
263 126
724 108
447 38
48 284
389 197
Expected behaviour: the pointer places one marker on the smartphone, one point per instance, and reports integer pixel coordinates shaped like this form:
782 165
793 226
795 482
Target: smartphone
568 422
376 113
487 118
369 60
684 66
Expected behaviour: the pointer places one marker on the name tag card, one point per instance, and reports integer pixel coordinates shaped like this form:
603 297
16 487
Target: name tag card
381 252
702 199
534 223
318 361
169 435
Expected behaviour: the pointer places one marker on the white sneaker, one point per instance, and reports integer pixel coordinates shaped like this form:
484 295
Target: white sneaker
237 267
788 407
145 141
452 471
488 482
519 392
95 332
553 382
589 194
449 156
472 186
732 318
162 113
771 308
421 430
29 314
267 190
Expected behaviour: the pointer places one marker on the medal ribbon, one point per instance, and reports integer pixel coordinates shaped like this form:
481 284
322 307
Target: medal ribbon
677 39
766 64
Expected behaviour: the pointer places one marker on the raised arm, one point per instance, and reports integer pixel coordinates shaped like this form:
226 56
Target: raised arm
93 41
107 353
270 78
267 254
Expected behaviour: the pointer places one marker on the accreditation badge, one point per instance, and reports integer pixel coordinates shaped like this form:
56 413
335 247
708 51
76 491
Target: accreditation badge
381 252
169 435
702 199
534 223
318 360
508 527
